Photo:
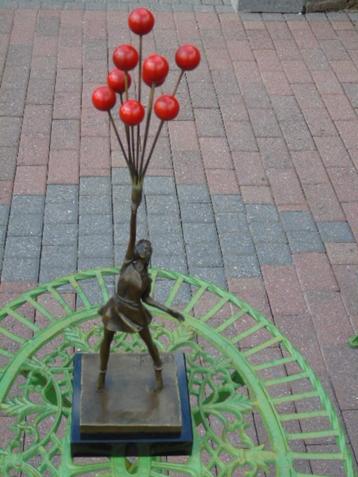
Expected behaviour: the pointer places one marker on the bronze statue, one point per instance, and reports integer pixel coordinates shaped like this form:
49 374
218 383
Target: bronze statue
125 310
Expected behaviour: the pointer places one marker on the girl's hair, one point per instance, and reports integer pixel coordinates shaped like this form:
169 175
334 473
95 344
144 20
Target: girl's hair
140 245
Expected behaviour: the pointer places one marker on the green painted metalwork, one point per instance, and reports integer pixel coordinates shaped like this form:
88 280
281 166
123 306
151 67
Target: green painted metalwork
353 341
257 407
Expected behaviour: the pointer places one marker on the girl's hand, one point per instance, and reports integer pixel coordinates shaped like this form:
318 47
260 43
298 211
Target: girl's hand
136 195
177 315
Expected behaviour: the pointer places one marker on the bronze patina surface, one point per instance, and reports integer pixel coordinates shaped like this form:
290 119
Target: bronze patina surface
129 403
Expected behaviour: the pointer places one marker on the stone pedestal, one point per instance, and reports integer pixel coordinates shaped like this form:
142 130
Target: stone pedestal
129 417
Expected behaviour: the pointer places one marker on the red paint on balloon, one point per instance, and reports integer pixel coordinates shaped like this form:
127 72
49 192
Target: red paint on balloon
116 80
103 98
131 112
125 57
155 70
187 57
141 21
166 107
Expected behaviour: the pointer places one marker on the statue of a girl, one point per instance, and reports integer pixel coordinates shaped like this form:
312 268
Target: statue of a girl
125 310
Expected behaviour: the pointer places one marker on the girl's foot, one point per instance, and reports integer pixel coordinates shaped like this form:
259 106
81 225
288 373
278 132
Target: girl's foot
158 380
101 380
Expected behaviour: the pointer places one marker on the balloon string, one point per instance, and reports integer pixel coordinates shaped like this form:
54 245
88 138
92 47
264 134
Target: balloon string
133 147
177 83
125 86
120 143
126 128
159 129
152 148
149 115
139 98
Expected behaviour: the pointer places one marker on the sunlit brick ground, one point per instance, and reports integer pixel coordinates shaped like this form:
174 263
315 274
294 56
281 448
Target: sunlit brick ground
254 187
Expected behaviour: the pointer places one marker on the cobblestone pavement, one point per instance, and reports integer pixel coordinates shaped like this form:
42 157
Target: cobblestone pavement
254 187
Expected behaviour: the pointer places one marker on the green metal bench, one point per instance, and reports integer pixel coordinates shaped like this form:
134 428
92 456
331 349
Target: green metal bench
353 341
257 407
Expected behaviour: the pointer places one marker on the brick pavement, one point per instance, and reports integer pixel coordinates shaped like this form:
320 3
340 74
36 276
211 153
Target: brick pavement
254 187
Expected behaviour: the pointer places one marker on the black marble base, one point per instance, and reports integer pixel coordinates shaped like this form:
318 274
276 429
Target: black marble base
132 444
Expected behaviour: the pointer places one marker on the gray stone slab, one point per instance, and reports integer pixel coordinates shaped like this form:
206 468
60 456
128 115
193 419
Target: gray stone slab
60 234
4 214
95 224
244 266
197 233
335 232
273 254
25 225
164 227
95 186
120 175
159 185
273 17
95 205
121 196
121 232
231 222
61 193
304 241
173 262
23 247
204 255
298 220
271 6
2 234
212 275
20 269
122 214
57 261
156 223
53 255
168 244
162 289
85 263
227 203
99 246
236 243
27 204
61 213
119 253
197 213
267 232
193 193
261 213
162 204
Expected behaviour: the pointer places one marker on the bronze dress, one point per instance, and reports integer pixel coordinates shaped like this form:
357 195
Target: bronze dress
125 311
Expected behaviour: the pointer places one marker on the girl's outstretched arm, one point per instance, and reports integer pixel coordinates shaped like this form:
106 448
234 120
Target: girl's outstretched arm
137 189
174 313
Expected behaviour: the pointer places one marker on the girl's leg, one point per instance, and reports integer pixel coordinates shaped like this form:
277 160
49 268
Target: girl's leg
154 353
104 357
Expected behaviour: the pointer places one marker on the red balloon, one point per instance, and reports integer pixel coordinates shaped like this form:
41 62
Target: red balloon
131 112
125 57
115 80
166 107
155 70
187 57
141 21
103 98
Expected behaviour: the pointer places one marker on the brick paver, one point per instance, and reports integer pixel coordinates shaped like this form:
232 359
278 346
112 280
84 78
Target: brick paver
254 187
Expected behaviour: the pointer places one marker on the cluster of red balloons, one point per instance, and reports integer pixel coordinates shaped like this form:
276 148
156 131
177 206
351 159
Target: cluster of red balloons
154 72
